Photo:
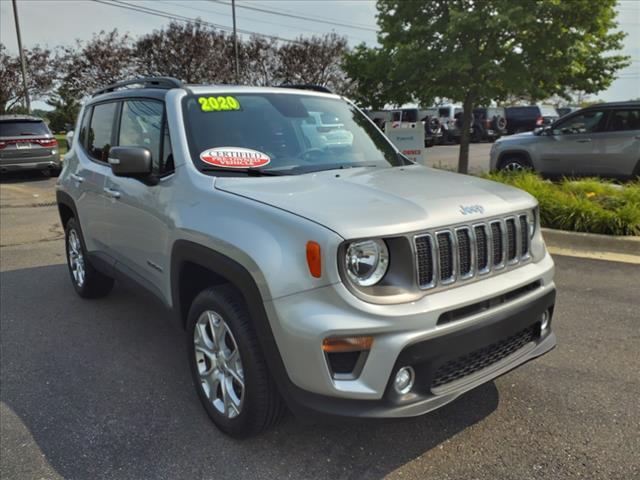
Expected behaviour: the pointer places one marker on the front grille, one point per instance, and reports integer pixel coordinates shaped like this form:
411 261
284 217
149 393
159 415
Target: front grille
452 255
484 357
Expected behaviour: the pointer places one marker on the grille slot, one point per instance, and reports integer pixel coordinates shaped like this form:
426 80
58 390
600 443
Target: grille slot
512 247
424 257
498 244
484 357
445 256
465 257
524 235
482 251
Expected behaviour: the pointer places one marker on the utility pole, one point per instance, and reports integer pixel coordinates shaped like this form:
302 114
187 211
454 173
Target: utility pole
235 40
22 61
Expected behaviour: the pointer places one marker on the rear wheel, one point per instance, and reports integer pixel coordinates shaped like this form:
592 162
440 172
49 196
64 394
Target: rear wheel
87 281
515 163
227 365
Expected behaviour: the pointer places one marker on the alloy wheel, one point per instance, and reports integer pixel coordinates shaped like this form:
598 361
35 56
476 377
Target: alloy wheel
76 258
219 364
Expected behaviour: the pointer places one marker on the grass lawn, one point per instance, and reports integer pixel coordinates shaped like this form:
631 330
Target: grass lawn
62 142
587 205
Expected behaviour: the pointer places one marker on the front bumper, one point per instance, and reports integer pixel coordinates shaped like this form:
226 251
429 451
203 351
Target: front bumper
407 334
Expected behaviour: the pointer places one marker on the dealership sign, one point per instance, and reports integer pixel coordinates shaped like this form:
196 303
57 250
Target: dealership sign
408 138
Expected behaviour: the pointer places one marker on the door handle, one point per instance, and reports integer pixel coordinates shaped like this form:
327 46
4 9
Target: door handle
77 178
111 192
584 140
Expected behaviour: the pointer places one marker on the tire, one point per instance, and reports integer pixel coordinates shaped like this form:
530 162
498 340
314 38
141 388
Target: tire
253 403
515 163
87 281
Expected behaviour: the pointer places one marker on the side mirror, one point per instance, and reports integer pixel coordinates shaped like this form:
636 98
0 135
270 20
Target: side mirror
130 162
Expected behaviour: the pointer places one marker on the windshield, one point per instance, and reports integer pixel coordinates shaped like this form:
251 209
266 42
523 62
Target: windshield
283 133
18 128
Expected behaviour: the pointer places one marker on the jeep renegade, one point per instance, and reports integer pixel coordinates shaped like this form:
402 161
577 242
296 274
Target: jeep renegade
311 264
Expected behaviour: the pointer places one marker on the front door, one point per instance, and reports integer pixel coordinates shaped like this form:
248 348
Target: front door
571 146
138 209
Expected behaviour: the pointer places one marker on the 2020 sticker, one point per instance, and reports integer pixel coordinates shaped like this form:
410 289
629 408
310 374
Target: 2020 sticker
235 157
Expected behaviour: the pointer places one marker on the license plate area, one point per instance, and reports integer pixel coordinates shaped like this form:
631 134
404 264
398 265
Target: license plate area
23 146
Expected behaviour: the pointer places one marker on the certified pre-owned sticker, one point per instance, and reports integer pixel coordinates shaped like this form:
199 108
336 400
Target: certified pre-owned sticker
234 157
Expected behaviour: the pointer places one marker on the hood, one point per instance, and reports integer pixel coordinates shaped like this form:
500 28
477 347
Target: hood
364 202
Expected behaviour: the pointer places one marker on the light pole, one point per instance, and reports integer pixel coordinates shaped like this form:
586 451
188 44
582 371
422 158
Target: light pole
22 61
235 40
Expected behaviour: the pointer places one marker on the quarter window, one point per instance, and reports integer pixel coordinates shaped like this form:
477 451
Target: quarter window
100 131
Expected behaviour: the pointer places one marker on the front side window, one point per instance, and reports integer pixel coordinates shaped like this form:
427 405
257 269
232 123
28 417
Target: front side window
586 122
141 126
294 133
101 130
623 120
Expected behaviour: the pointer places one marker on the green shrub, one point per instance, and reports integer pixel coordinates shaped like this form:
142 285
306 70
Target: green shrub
587 205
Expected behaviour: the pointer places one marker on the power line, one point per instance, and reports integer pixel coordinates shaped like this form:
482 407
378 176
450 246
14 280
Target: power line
299 17
182 18
248 19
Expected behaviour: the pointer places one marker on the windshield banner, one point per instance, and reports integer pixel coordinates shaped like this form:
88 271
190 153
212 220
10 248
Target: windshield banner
235 157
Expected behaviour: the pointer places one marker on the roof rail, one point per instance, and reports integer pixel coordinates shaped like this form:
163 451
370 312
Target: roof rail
306 86
146 82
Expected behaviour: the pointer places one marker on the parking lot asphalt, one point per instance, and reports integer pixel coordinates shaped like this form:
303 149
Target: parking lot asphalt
101 389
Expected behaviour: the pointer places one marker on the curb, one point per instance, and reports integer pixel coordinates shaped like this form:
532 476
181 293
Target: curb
590 245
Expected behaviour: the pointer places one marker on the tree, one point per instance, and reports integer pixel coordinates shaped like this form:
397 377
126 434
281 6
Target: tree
315 60
65 109
101 61
40 77
259 61
476 52
192 52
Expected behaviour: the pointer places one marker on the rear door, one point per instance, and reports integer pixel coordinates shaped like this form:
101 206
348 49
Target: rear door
619 146
87 182
573 145
137 209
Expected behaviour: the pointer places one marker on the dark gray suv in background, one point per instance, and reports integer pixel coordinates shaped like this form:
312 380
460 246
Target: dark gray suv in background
601 140
26 143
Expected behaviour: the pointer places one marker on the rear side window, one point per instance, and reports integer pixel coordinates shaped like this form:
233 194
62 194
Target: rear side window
23 128
495 112
101 130
622 120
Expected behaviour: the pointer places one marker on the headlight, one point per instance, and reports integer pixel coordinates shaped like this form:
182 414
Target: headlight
366 261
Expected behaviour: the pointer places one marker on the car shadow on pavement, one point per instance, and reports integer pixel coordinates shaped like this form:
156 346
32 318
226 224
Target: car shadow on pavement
103 389
24 176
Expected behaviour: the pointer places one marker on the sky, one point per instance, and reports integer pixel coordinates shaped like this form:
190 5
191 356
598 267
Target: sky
60 22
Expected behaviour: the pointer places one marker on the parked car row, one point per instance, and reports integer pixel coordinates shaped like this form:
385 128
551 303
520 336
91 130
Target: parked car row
443 124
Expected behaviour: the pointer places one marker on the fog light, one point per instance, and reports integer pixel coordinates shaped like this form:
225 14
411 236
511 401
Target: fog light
544 322
403 382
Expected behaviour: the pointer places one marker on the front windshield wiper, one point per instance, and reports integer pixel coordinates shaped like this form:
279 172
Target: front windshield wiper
251 172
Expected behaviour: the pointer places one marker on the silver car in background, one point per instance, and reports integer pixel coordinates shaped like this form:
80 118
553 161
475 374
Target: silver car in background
602 140
26 143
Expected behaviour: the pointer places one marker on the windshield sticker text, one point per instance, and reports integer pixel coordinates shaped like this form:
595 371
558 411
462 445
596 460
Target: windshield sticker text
218 104
235 157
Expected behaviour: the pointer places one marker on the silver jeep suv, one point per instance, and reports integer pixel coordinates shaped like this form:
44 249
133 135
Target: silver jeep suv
336 278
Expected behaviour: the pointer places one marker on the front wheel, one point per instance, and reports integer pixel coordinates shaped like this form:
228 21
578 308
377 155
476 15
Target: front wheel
87 281
227 364
515 164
